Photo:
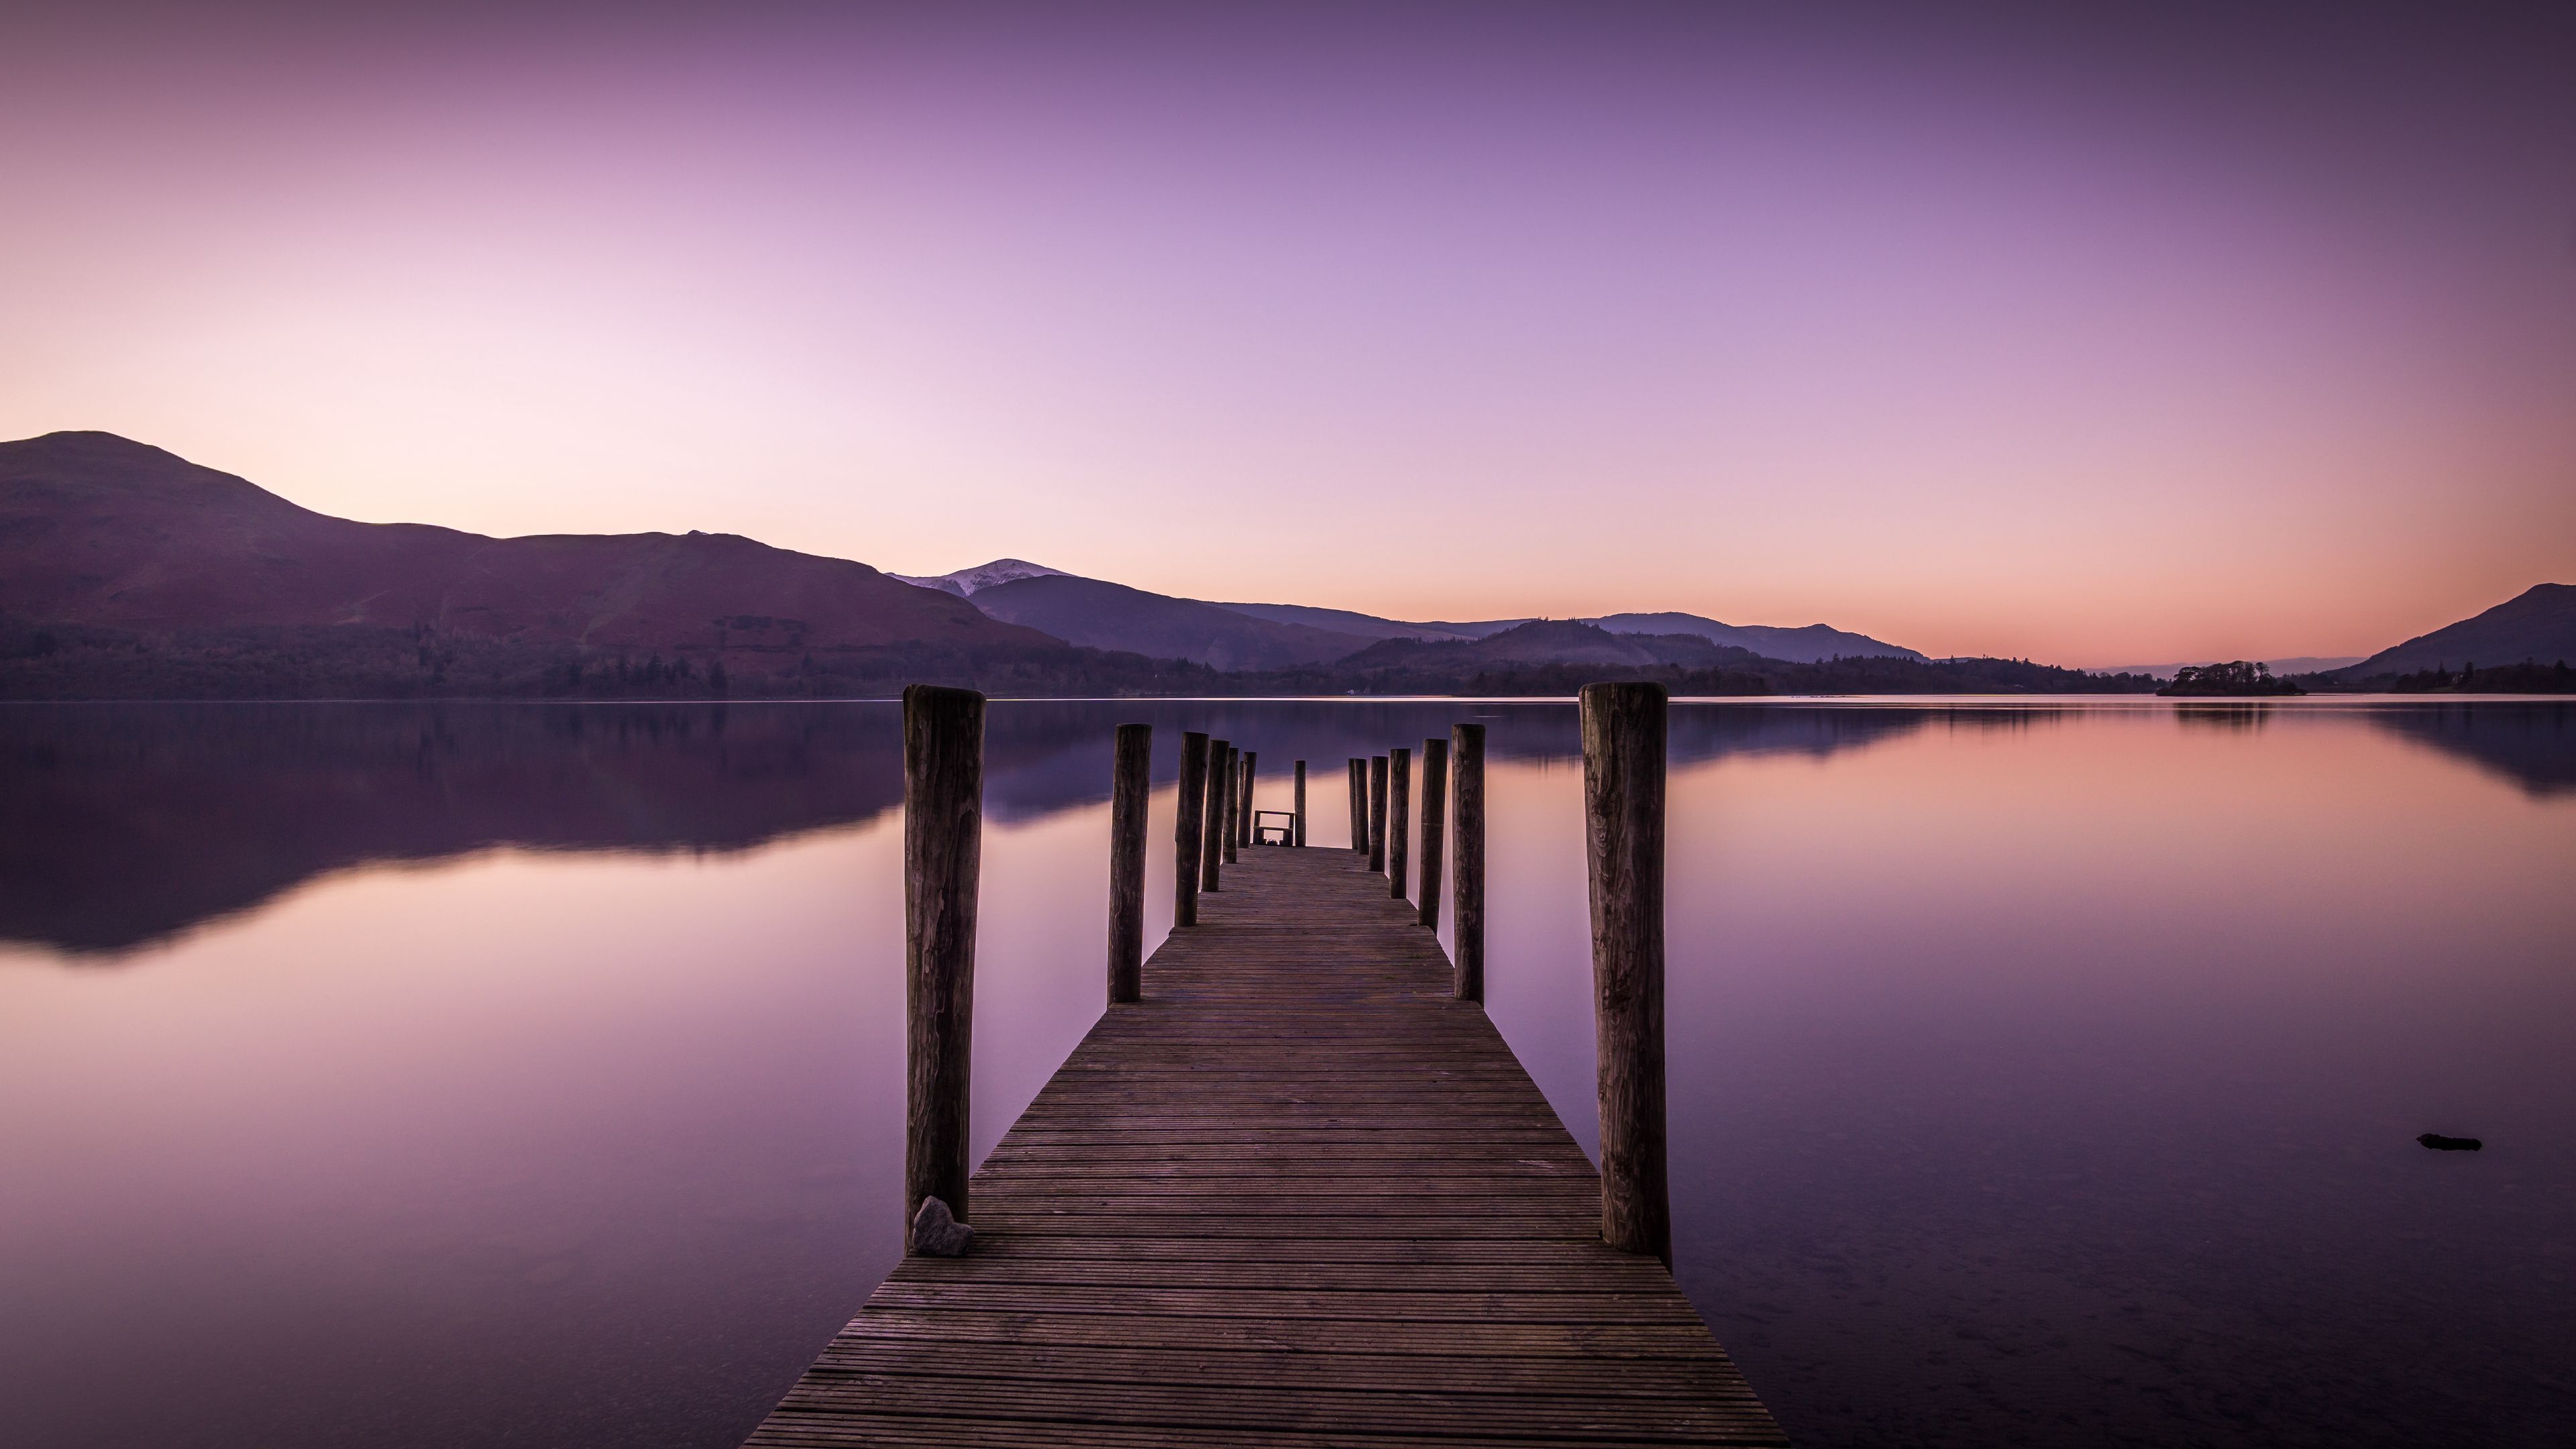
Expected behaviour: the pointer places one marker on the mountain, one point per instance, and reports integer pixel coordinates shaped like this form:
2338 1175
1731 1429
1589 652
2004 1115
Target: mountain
2282 668
1365 626
1804 645
1101 615
1472 628
1807 644
964 582
100 531
1549 641
2538 624
1158 625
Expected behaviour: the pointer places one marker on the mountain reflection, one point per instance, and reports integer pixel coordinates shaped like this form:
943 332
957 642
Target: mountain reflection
2532 744
121 825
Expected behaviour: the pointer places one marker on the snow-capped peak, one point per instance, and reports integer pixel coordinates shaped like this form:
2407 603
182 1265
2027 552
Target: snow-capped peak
965 582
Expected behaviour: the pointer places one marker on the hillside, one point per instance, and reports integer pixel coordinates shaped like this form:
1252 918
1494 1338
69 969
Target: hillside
125 570
1547 641
2537 625
98 530
1098 614
1365 626
1806 644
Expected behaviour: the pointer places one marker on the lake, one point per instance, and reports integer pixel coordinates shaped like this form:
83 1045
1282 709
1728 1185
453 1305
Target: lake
2042 1072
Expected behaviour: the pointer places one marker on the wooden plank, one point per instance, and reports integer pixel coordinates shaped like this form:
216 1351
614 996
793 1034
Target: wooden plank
1298 1194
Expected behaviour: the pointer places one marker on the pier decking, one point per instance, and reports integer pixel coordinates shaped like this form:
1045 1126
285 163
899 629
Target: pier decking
1297 1195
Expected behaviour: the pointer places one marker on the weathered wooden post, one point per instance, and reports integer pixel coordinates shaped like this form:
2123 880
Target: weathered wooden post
943 845
1190 819
1623 807
1377 812
1359 805
1131 777
1435 811
1467 823
1399 816
1297 809
1212 838
1243 808
1233 800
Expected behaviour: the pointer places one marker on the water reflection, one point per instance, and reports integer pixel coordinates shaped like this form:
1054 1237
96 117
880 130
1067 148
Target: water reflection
2530 742
125 825
2040 1073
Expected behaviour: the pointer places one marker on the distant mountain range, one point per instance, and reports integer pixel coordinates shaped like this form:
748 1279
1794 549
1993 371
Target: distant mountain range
126 571
1103 615
2294 664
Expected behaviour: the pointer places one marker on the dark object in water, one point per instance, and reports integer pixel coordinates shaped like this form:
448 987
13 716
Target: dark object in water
2440 1143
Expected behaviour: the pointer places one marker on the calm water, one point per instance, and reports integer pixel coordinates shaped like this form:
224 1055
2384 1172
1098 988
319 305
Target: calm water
2041 1074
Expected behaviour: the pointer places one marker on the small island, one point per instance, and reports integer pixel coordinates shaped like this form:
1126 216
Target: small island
2235 679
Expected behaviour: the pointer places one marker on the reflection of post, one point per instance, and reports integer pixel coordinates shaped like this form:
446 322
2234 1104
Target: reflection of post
1467 826
943 842
1212 839
1399 816
1297 808
1130 777
1233 800
1189 824
1377 812
1623 807
1243 807
1435 806
1359 805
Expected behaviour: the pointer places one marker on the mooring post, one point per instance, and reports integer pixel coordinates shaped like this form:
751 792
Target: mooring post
1467 825
1130 779
943 843
1233 799
1377 812
1297 809
1435 811
1243 808
1623 807
1399 816
1190 819
1359 805
1212 838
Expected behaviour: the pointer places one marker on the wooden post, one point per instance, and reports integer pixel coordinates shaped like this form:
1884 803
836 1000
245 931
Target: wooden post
943 844
1297 809
1212 839
1435 810
1377 812
1399 816
1233 800
1467 821
1243 811
1131 776
1359 805
1189 824
1623 808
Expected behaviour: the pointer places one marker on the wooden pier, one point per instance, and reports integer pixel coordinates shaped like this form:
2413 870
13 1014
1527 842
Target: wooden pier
1298 1193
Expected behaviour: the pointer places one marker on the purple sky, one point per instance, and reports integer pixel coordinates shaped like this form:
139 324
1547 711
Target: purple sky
2206 331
